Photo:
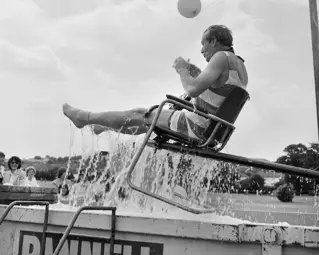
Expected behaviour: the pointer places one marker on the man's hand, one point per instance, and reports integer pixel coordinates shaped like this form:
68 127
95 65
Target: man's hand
180 64
193 70
194 86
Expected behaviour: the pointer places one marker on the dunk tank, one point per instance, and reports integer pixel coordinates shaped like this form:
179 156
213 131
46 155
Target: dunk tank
159 194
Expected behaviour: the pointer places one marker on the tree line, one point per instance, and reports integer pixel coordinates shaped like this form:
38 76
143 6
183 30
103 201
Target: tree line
298 155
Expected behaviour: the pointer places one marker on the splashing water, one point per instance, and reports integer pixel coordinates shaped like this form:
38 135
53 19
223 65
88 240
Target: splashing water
190 180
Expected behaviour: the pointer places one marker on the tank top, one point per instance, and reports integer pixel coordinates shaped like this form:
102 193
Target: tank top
212 98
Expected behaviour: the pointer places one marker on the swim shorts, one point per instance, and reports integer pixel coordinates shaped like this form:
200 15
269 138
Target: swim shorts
185 122
189 124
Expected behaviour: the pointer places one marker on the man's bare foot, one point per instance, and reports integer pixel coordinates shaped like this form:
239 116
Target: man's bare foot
99 129
78 117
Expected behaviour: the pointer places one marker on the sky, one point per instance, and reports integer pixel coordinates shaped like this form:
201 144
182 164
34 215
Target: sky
102 55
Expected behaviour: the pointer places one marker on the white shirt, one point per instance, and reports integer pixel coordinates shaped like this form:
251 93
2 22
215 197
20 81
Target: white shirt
32 183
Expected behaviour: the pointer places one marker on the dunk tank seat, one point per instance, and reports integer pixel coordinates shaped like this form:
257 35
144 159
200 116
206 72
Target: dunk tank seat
218 133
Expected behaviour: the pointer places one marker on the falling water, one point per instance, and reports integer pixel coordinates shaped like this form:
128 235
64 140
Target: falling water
187 179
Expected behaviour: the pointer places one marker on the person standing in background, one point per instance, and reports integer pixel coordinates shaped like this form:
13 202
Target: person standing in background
4 172
31 180
2 166
17 175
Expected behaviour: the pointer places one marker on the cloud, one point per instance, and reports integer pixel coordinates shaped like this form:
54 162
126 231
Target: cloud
62 8
248 37
296 2
20 9
104 39
22 23
38 62
99 37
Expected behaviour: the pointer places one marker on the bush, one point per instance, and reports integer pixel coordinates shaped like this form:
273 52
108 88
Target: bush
252 184
46 174
285 193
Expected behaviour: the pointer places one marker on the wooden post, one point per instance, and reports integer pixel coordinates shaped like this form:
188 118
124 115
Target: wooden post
315 50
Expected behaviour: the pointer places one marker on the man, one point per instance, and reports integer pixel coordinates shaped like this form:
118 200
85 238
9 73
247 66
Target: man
2 167
6 175
57 183
208 89
2 161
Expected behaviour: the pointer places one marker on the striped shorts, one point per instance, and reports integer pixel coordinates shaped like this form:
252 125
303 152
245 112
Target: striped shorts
189 124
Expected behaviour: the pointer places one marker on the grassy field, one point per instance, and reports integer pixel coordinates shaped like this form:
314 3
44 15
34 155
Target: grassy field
300 204
303 211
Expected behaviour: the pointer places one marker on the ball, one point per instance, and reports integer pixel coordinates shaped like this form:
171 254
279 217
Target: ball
189 8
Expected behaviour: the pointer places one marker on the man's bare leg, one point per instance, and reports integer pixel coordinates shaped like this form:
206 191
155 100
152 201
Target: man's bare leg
97 129
126 122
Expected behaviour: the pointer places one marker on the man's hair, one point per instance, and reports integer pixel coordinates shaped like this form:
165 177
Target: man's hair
2 155
222 34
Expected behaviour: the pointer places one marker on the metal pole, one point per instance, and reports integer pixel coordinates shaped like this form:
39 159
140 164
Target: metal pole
45 227
10 206
112 233
315 50
75 217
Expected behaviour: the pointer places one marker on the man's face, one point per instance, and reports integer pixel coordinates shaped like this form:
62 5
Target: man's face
207 47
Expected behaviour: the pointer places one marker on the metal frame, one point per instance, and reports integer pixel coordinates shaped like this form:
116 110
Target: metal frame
308 173
145 142
46 217
313 15
75 217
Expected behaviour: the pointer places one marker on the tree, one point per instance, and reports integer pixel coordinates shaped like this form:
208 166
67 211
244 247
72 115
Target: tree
253 183
300 155
78 157
60 160
257 182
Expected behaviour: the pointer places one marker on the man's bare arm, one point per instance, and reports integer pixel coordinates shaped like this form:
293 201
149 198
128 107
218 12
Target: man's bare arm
196 86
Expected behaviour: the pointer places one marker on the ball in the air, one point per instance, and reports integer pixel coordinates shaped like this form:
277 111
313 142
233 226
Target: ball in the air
189 8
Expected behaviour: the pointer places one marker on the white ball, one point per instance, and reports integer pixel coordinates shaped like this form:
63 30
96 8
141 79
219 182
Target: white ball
189 8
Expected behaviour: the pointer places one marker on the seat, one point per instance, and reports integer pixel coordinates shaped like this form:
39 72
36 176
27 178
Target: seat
221 124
